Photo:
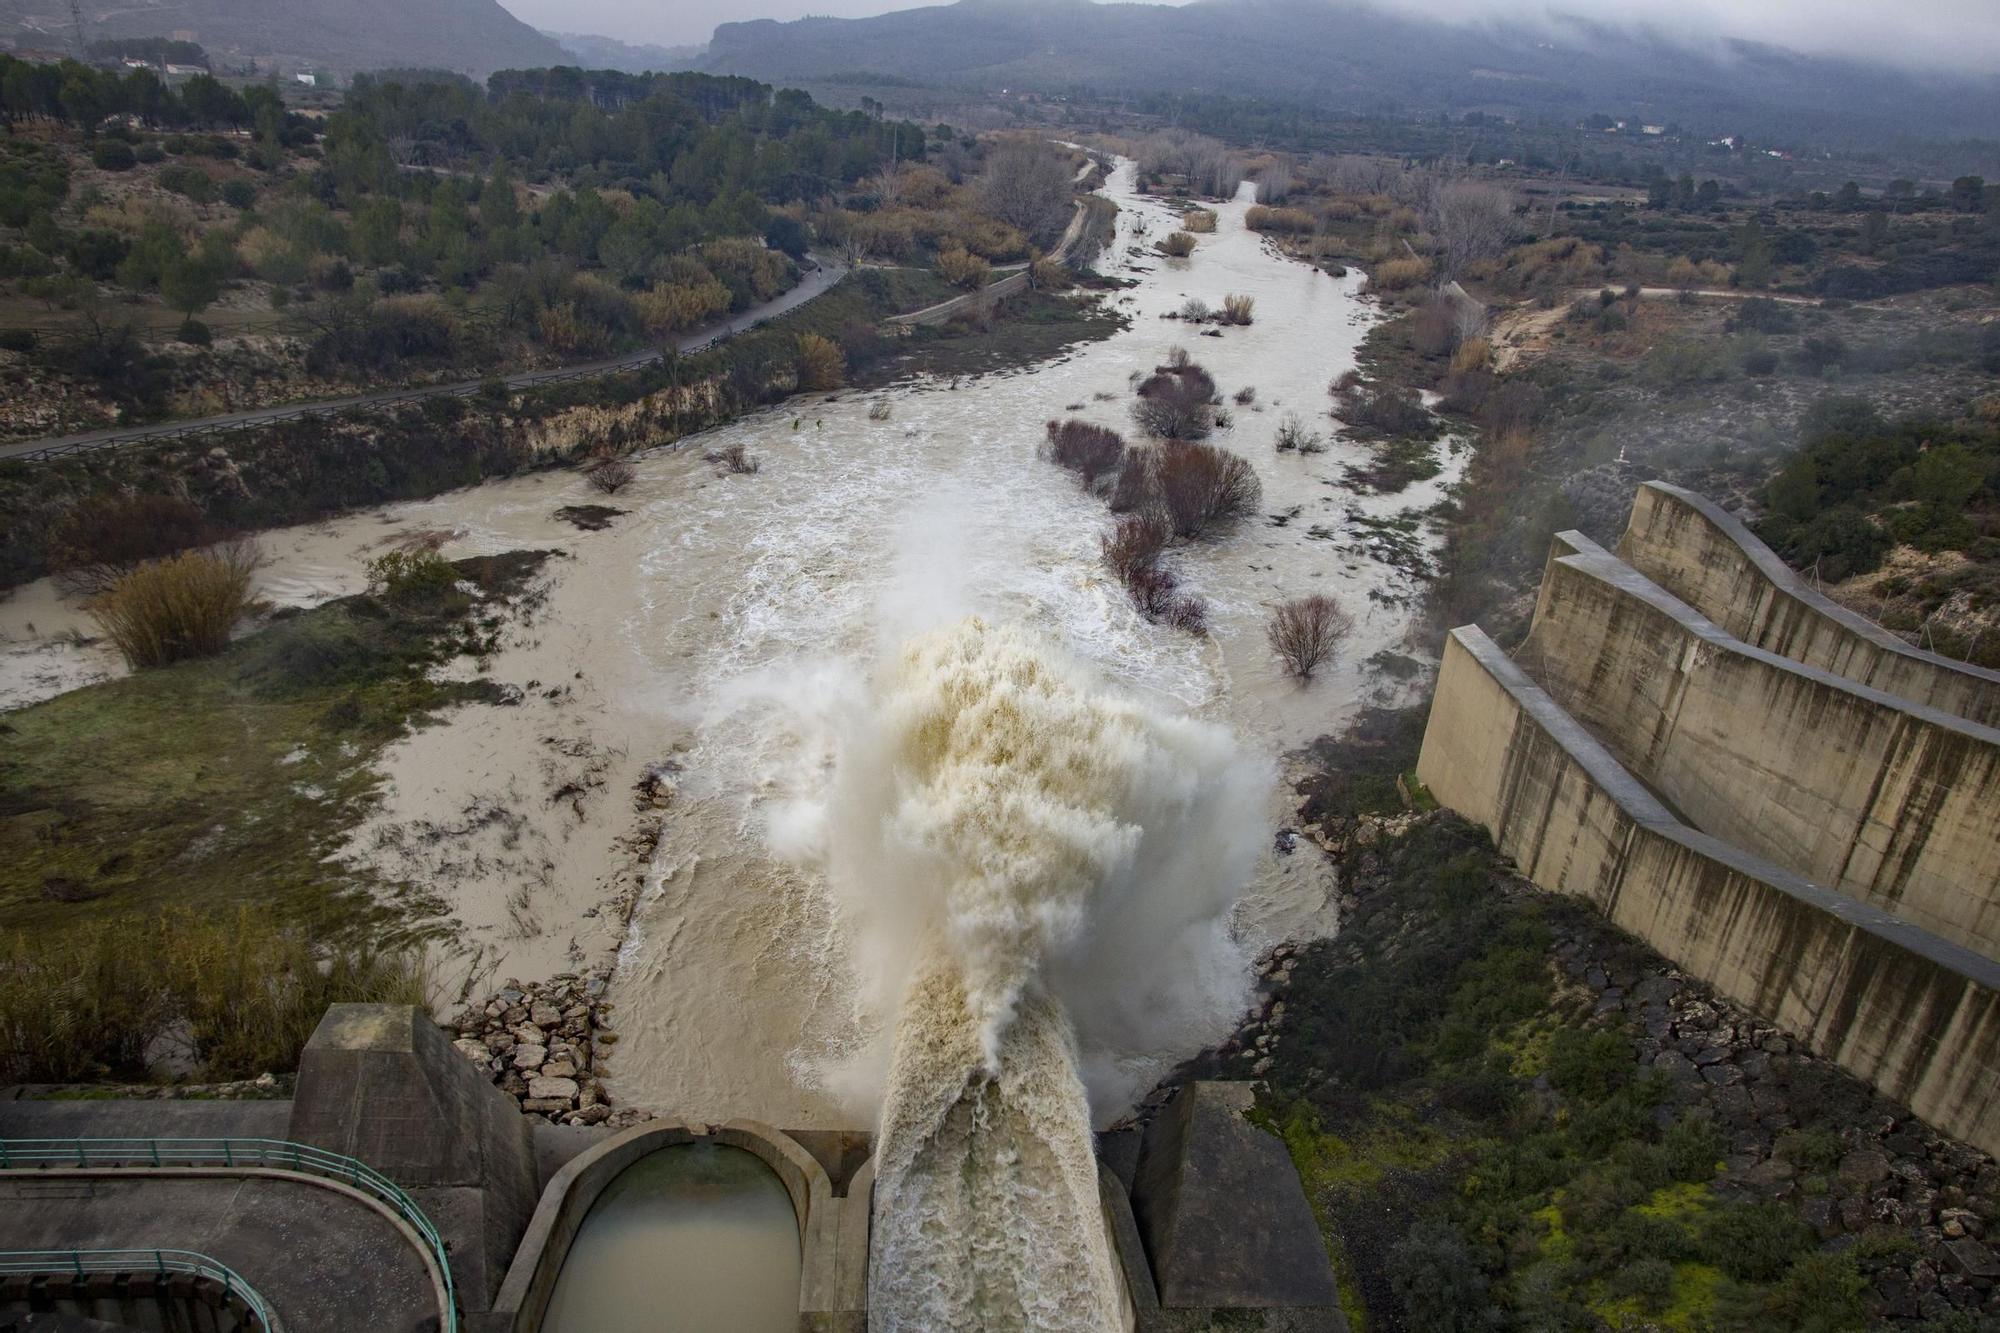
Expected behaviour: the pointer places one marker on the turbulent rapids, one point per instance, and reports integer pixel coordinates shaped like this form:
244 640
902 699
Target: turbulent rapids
1041 868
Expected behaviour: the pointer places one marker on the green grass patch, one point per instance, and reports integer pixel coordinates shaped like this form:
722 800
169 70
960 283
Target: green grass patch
227 782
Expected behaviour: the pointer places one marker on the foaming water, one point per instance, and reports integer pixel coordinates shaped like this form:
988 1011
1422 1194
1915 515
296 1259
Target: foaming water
1034 872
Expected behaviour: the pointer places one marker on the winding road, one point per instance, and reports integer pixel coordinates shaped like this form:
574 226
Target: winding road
817 281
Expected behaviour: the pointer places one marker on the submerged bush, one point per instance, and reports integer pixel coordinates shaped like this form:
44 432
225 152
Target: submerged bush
177 608
1176 402
1178 245
1306 631
1087 450
1198 220
1200 486
1262 217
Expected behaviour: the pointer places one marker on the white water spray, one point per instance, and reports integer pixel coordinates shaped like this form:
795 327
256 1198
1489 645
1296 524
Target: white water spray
1037 873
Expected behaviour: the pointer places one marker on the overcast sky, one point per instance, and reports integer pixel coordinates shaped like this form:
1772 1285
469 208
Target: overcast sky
1963 34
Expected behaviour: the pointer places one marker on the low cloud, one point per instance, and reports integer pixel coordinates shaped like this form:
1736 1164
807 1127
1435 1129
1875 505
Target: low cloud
1961 35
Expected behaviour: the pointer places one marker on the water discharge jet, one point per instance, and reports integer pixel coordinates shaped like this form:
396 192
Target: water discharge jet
1036 871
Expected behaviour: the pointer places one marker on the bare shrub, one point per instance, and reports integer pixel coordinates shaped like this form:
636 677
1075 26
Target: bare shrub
1274 185
1295 435
1178 245
1236 308
1153 588
821 363
1176 402
1196 311
1189 614
1132 492
1470 221
1201 486
879 411
1348 379
98 541
1089 451
177 608
735 458
611 475
1028 185
1177 358
1198 220
1246 395
1305 632
1133 543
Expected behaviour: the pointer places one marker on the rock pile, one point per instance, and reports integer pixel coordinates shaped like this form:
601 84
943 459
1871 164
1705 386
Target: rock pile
545 1044
1884 1173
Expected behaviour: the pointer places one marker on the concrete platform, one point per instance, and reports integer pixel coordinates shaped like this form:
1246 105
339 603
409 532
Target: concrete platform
325 1262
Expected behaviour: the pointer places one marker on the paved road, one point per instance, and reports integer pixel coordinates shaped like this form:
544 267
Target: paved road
815 282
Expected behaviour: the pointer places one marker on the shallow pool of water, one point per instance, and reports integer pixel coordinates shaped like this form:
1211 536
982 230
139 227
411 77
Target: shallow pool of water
698 1237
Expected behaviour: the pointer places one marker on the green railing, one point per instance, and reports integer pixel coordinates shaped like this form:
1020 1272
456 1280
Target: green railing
159 1263
239 1155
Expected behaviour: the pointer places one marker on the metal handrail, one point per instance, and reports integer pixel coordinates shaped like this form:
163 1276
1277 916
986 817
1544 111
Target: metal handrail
160 1263
239 1155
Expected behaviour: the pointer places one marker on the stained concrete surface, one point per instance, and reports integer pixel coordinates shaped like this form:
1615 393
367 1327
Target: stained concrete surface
325 1262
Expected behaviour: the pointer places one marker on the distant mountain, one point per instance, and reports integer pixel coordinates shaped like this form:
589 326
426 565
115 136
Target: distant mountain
593 52
1350 56
474 36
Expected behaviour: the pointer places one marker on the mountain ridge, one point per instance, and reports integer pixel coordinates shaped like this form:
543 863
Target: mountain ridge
1354 57
473 36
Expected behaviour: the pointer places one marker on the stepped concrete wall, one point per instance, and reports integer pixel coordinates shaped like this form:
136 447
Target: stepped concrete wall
1891 801
1706 557
1915 1015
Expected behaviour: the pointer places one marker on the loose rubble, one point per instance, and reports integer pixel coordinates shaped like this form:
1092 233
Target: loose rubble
547 1045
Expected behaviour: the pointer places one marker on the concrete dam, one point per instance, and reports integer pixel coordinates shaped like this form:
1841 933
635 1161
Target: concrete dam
1775 793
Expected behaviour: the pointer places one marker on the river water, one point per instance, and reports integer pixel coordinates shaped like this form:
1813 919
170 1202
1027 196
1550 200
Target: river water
709 632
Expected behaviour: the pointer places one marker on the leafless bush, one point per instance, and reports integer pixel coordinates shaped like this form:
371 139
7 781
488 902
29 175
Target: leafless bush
1175 402
1028 185
177 608
1132 492
1087 450
611 475
1470 221
1246 395
879 411
1178 245
1305 632
1189 614
1236 308
1177 358
1196 311
1275 185
1201 221
735 458
1200 486
1294 434
1154 588
99 541
1133 543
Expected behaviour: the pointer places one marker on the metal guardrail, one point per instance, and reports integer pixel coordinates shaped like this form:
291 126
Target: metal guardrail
159 1263
238 1155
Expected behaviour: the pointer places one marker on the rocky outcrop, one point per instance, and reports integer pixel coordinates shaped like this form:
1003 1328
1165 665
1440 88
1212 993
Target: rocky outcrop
546 1045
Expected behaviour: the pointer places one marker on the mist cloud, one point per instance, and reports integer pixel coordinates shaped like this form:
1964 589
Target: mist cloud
1960 35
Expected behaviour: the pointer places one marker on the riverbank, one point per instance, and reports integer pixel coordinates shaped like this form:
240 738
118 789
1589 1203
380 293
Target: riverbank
1500 1103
